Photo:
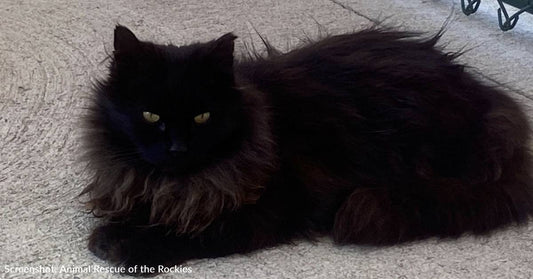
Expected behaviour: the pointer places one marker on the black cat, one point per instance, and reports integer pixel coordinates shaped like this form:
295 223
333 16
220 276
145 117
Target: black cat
375 137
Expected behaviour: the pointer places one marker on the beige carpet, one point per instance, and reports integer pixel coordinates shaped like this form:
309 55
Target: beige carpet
51 50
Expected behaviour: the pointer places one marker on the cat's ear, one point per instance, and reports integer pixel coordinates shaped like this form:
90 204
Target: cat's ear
125 41
222 52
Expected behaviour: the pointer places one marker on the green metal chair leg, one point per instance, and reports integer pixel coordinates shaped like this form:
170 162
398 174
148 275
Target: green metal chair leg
510 21
471 8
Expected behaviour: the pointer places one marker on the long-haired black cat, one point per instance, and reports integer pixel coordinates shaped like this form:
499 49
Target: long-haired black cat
375 137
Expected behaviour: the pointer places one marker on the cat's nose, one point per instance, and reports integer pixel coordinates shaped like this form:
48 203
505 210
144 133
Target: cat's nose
177 148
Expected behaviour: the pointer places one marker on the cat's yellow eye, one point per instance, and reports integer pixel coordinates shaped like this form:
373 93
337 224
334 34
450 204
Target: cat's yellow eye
150 117
202 118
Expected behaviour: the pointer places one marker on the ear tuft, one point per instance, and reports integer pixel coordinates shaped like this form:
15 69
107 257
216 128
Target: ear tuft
222 51
226 41
125 41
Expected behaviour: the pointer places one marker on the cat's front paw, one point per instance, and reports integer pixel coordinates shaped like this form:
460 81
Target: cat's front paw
108 242
133 248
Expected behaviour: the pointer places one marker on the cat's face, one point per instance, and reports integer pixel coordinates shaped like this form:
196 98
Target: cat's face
174 107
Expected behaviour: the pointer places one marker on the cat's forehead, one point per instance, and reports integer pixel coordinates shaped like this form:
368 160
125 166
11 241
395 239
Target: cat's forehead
177 90
176 53
176 95
173 67
172 78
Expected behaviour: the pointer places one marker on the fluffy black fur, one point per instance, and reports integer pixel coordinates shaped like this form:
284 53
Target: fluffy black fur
375 137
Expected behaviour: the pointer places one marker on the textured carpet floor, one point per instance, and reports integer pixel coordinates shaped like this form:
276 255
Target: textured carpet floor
51 50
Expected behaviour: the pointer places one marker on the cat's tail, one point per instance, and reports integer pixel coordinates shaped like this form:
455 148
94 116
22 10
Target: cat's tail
499 193
384 216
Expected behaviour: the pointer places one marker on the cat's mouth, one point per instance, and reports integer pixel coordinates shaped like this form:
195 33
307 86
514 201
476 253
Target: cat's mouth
173 166
173 169
183 166
178 166
168 164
